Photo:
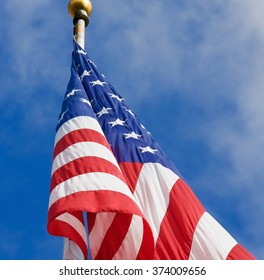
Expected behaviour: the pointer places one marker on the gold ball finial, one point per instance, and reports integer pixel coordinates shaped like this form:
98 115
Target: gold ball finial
75 5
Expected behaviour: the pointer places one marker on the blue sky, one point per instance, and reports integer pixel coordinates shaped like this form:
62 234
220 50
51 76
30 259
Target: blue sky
191 70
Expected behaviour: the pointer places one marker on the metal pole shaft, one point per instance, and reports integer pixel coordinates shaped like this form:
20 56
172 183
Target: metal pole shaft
80 21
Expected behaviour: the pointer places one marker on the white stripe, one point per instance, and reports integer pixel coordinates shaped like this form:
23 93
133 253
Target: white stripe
131 244
89 182
75 223
83 149
72 251
102 223
76 123
152 193
211 240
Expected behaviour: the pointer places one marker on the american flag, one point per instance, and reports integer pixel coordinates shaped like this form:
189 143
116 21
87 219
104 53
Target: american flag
110 176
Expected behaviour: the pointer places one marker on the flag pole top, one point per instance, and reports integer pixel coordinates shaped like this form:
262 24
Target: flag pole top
80 10
75 6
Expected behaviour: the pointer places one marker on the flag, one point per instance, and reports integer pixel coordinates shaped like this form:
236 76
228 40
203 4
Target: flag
109 173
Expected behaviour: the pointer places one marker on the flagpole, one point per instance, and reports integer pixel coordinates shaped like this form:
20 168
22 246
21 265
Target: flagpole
80 10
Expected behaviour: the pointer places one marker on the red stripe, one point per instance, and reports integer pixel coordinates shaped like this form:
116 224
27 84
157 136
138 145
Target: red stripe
114 237
81 166
91 217
179 223
239 253
131 171
146 251
76 136
94 201
61 228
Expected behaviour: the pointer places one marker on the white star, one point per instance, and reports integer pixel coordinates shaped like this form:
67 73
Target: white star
81 52
129 111
97 83
85 74
85 101
62 115
116 97
104 111
132 135
147 150
117 122
72 93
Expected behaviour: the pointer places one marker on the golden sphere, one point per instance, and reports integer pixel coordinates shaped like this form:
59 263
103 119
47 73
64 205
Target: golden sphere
76 5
